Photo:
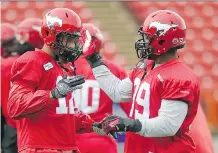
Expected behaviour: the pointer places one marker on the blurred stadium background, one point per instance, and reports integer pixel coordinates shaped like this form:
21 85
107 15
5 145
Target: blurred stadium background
120 22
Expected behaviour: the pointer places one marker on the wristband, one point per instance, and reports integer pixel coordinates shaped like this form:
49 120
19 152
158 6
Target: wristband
94 60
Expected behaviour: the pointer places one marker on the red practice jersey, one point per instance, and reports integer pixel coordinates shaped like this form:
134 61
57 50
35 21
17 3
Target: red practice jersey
41 123
94 101
6 65
172 81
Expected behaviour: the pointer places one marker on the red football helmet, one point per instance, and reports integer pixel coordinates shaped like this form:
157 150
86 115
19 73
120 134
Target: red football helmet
29 31
9 44
7 32
61 31
162 30
96 34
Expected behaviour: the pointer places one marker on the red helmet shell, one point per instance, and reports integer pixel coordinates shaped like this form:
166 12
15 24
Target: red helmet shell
30 31
59 20
96 33
167 28
7 32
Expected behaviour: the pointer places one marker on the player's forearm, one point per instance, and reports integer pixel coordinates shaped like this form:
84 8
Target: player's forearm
118 90
23 101
168 122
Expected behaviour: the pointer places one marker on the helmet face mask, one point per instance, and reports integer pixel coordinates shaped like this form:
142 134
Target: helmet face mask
67 46
143 46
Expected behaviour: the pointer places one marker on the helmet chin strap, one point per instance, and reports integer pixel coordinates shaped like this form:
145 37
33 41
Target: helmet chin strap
145 70
74 68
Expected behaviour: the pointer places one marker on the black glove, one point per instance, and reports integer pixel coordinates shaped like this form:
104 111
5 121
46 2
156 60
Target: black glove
97 128
67 85
94 60
113 123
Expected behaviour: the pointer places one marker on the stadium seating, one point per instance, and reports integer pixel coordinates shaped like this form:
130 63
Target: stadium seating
15 12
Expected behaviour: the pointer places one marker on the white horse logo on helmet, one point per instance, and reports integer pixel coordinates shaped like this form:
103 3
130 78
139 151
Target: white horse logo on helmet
51 20
162 27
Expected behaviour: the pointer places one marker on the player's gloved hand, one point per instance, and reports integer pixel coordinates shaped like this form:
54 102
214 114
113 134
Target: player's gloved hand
67 85
84 124
113 123
97 128
89 49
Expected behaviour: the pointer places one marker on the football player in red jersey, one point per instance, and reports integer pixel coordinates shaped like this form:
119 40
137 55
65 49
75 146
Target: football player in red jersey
8 46
40 98
93 101
27 37
165 92
10 50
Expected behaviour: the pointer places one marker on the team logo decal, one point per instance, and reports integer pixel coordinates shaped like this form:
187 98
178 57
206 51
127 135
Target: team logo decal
48 66
162 27
178 40
51 21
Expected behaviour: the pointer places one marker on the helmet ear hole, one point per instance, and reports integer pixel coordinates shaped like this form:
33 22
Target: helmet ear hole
161 42
66 15
47 32
93 37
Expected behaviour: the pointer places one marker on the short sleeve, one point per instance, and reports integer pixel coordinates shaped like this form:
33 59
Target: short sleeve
26 72
176 89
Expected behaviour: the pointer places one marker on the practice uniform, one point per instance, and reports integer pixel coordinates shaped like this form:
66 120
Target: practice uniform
42 125
172 80
9 139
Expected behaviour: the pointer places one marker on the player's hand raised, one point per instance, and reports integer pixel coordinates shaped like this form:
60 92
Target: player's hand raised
67 85
89 49
87 42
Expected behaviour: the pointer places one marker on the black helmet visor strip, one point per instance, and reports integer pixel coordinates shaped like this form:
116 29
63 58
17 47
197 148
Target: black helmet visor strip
143 46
